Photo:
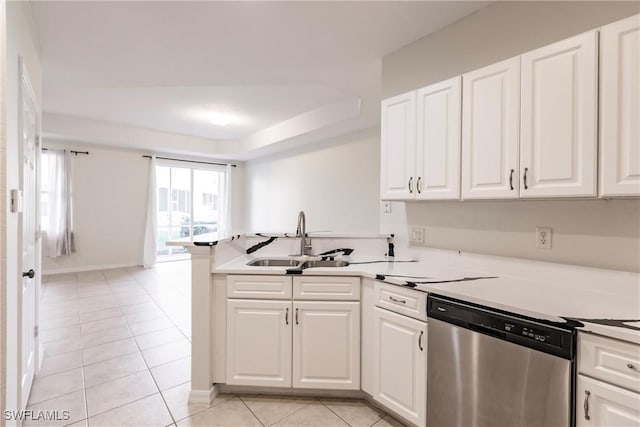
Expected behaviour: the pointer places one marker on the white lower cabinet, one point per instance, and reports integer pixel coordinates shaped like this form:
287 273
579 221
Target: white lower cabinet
605 405
292 343
400 364
259 342
326 345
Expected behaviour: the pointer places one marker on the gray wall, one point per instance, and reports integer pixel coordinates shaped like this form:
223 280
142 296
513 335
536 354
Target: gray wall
596 233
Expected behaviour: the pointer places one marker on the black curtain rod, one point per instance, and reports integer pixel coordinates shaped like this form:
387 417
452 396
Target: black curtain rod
190 161
71 151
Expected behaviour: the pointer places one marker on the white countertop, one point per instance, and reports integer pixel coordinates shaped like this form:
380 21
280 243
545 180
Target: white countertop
608 307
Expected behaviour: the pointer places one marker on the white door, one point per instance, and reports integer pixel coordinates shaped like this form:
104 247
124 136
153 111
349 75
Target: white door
620 108
326 345
559 119
599 404
259 343
29 124
438 145
400 364
398 144
491 131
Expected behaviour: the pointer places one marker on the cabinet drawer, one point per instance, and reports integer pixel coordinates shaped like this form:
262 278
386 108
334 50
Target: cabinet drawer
405 301
258 287
330 288
613 361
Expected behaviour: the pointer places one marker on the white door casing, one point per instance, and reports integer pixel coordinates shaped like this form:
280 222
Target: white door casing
29 146
491 131
438 141
558 141
620 108
326 345
398 147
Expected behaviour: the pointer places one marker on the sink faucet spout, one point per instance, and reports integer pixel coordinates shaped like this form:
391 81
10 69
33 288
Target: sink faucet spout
301 231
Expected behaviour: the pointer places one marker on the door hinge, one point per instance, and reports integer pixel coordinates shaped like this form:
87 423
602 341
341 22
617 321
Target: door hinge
35 331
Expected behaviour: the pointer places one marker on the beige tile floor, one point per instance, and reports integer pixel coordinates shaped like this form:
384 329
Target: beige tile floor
117 352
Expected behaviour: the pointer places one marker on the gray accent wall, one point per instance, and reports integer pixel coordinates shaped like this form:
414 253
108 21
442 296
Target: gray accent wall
597 233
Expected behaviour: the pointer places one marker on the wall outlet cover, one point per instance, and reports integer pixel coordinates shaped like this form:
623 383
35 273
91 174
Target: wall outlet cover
416 235
543 237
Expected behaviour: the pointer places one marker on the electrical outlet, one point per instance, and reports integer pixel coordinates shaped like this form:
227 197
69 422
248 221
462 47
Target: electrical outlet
543 237
416 235
386 207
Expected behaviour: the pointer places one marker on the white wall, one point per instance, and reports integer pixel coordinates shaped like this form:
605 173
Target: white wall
109 208
21 42
591 232
336 183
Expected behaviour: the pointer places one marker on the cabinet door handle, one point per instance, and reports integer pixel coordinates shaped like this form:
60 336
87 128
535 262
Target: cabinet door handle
411 185
286 317
511 179
297 317
525 178
420 341
632 367
401 301
587 393
418 185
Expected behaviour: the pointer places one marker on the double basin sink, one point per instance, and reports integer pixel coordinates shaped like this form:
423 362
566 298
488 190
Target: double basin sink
296 263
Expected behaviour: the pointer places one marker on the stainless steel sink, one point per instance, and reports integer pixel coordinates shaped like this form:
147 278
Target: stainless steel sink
296 263
275 262
324 263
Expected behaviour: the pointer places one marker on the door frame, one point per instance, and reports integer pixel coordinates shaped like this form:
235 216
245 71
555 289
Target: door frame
25 88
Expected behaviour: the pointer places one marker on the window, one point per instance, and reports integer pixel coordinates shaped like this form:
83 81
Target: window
187 204
44 191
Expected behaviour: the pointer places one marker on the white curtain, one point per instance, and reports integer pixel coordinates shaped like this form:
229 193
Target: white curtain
227 226
60 227
151 230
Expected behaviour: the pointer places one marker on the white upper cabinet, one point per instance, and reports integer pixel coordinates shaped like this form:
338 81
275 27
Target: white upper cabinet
438 145
490 131
398 143
620 108
559 119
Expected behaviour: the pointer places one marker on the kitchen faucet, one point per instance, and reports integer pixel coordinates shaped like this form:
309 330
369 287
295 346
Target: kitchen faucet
301 231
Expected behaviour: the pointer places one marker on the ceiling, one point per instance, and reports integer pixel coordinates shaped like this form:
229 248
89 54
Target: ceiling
165 66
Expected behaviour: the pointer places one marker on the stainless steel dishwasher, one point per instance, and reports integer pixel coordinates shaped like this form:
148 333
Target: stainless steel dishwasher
488 368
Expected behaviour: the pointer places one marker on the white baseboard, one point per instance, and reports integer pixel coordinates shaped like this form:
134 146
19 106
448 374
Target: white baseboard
89 268
203 397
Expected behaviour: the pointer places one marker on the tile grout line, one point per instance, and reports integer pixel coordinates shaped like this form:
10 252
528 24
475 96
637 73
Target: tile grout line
249 409
152 377
334 412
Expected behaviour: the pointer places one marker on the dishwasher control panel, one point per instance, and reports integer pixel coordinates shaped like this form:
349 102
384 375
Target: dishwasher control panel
505 326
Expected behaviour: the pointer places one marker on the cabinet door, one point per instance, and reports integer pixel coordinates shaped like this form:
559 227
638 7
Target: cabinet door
599 404
559 118
438 144
398 142
400 364
620 108
326 345
259 342
491 131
